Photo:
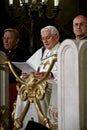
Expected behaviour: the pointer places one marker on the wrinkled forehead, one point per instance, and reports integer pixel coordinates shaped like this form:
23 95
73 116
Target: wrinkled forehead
79 19
46 32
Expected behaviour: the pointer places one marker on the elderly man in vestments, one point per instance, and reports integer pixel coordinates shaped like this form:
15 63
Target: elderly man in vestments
41 61
80 27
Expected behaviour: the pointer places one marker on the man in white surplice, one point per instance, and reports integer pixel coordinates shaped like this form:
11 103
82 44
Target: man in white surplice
50 39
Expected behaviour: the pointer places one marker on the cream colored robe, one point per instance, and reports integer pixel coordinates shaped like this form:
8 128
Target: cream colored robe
49 103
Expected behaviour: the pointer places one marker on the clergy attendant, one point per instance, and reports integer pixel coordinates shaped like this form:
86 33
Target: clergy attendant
41 61
80 27
11 39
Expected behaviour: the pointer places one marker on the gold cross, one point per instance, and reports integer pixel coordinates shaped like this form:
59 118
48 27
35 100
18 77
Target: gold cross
46 63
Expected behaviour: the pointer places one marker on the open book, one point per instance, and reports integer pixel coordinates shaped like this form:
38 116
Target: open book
23 66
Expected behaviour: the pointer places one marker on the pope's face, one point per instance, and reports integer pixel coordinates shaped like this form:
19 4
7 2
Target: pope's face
48 39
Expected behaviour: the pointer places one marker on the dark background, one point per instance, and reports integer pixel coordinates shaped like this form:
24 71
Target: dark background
29 27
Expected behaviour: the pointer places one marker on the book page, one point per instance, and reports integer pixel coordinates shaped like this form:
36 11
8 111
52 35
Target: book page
23 66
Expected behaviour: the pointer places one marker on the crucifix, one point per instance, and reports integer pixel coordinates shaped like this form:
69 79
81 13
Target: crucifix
46 63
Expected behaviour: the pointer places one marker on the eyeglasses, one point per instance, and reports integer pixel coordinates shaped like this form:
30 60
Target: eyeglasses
47 38
79 24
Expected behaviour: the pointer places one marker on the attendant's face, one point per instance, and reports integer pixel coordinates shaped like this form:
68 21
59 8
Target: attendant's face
80 26
9 40
48 39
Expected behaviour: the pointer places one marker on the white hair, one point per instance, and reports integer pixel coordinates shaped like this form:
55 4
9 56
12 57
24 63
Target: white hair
51 28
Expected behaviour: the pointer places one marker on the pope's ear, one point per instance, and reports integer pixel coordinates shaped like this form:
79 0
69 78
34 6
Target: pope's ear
57 36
